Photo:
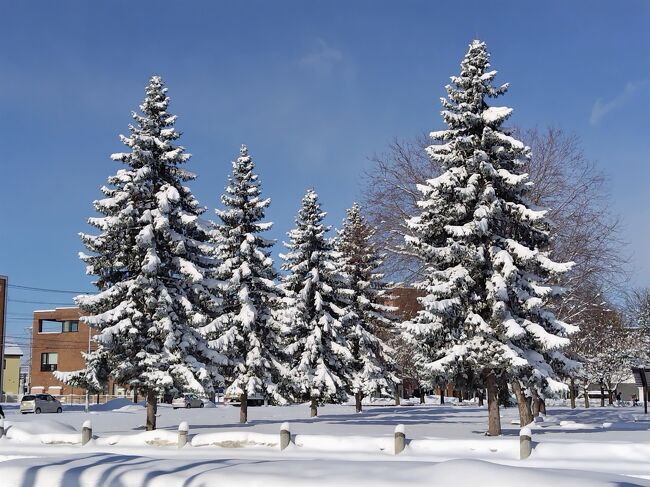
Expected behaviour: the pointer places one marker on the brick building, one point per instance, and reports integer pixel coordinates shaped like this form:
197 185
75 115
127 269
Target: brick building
58 338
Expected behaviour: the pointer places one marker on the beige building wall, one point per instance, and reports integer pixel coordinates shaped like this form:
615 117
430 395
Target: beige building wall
11 374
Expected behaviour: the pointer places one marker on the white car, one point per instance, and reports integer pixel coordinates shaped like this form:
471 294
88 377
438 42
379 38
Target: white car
40 403
187 401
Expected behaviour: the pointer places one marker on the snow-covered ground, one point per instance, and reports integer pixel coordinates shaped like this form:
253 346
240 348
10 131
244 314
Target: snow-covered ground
598 446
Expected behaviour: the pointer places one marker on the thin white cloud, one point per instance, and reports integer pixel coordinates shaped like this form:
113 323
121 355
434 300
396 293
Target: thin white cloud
601 107
323 58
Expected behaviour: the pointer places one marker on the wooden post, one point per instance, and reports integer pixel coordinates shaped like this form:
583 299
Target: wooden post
183 430
525 443
86 432
285 436
400 439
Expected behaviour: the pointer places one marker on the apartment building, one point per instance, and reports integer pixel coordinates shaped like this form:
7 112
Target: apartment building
58 339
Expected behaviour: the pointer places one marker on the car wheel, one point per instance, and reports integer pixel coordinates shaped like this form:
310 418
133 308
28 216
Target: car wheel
188 405
37 411
202 405
59 410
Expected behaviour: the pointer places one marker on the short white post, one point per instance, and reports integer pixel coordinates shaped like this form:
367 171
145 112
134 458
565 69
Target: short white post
86 432
525 443
285 436
183 430
400 439
2 427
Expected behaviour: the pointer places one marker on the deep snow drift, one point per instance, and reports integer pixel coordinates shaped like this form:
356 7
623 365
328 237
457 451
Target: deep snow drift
445 444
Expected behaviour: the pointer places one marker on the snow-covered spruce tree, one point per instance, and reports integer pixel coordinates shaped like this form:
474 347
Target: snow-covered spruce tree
371 322
151 264
314 319
487 277
244 333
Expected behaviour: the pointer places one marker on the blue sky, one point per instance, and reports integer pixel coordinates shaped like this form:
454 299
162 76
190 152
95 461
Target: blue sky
313 88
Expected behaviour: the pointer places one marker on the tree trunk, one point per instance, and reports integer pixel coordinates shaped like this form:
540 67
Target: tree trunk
481 397
314 407
611 397
602 396
586 393
135 395
494 420
572 393
535 404
525 414
542 406
152 407
397 398
358 397
422 396
243 407
442 395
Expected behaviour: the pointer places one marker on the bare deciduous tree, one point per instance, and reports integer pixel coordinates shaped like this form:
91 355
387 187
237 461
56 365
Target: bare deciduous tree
569 185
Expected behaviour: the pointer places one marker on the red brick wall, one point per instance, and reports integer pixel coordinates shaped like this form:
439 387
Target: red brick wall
68 345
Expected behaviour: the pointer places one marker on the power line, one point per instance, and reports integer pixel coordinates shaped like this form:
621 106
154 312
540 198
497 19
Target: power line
47 290
39 302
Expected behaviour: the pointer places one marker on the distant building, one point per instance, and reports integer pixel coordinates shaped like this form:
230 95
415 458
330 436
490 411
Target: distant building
11 369
59 337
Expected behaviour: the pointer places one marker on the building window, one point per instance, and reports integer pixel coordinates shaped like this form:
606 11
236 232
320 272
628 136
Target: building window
54 326
70 326
49 361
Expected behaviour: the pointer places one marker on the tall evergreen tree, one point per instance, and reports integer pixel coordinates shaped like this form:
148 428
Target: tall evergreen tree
314 319
487 276
151 265
371 322
244 333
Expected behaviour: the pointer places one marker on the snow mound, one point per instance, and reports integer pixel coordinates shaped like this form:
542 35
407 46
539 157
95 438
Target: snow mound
45 431
237 439
119 404
151 438
327 443
475 472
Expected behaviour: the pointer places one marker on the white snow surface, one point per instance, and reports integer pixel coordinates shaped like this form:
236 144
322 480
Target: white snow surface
594 447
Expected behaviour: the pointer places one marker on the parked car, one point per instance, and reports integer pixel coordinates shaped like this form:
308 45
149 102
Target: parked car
40 403
234 400
187 401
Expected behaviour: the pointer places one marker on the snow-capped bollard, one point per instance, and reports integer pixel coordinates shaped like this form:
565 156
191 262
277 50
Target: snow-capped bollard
2 427
86 432
183 430
285 436
400 439
525 443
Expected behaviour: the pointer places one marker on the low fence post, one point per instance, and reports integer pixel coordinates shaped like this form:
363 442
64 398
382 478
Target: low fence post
400 439
285 436
183 430
86 432
525 443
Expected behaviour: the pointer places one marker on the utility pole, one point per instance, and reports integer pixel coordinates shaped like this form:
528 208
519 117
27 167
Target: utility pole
3 323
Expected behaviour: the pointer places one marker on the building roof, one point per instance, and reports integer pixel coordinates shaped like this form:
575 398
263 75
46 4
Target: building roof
12 349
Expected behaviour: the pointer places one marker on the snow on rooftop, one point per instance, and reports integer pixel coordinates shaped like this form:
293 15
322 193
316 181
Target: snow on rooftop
12 349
